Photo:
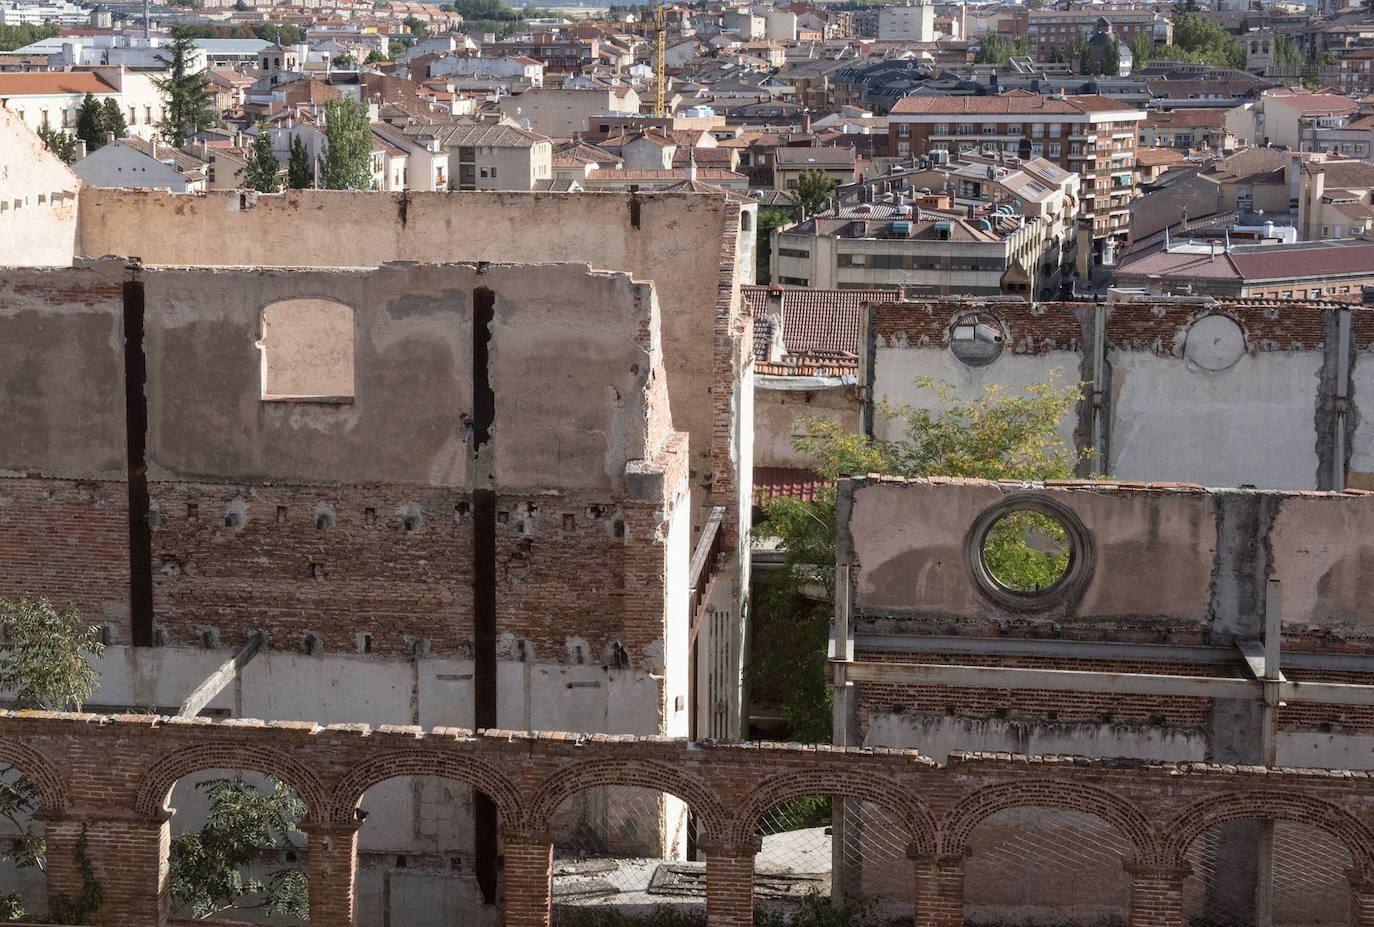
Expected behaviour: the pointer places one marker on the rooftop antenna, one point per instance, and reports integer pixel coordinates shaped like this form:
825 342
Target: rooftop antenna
148 20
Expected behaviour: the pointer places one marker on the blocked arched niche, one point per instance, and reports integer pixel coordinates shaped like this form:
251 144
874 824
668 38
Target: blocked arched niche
307 351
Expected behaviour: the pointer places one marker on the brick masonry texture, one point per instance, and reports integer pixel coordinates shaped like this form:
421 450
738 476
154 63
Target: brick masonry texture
111 776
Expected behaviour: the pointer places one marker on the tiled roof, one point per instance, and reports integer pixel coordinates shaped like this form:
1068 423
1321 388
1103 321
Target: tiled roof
615 176
1209 118
1352 174
837 157
1251 164
1153 157
497 136
184 162
1272 263
813 320
1319 104
781 482
1014 102
52 82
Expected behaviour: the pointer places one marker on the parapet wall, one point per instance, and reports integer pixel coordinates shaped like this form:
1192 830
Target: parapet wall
1224 393
107 780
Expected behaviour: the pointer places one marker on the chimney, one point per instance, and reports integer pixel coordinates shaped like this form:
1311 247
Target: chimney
80 149
773 311
806 122
152 147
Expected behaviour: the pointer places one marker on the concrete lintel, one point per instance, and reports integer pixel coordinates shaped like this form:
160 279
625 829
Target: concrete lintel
1100 650
1005 677
221 677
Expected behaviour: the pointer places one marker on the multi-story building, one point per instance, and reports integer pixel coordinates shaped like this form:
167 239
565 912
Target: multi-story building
932 232
491 157
1051 31
1089 135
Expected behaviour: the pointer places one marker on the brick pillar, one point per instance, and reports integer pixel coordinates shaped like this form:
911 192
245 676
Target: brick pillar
128 856
527 896
939 890
1156 895
729 884
331 858
1361 901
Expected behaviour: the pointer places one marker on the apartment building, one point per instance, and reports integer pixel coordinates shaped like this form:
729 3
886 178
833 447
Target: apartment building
490 157
1052 30
940 232
1089 135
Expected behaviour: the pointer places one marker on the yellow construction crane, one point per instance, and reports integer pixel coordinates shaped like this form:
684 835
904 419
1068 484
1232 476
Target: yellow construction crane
660 64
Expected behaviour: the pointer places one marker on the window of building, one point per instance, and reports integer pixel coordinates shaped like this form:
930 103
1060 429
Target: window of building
940 128
903 130
307 351
1055 129
1054 149
1038 129
965 128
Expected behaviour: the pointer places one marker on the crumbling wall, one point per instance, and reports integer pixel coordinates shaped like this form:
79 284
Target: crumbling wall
1222 393
38 199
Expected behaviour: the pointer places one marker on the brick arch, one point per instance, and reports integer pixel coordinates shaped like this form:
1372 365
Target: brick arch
879 790
959 824
510 807
1193 821
36 768
660 777
164 773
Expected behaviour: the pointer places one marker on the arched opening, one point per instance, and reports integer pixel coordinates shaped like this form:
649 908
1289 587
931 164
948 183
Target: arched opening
419 862
237 851
1040 866
307 351
628 850
746 221
23 860
1308 886
844 851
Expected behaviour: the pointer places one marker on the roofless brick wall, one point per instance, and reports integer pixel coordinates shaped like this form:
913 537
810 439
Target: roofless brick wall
109 778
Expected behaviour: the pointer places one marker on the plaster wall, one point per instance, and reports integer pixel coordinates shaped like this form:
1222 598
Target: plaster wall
1233 418
675 240
778 416
897 368
1361 473
37 199
1153 554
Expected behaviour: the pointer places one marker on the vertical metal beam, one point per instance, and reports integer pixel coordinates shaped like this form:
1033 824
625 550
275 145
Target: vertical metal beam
1273 675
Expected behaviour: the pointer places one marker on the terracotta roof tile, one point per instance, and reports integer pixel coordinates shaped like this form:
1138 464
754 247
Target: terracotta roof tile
780 482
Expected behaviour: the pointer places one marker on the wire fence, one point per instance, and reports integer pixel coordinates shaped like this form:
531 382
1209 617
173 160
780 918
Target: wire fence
1310 887
1046 867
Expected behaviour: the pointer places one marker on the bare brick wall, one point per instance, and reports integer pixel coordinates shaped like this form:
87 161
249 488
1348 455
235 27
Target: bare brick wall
67 540
110 777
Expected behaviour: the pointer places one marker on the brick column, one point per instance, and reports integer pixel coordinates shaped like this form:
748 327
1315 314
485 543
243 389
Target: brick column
128 856
527 896
1156 895
729 883
331 858
939 898
1361 901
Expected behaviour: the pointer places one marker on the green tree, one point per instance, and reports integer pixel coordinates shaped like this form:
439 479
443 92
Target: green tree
1199 39
62 144
1111 57
374 56
996 435
88 123
415 26
347 160
814 188
994 49
187 104
46 663
298 176
1141 50
210 867
768 220
17 36
260 172
343 61
1286 54
112 119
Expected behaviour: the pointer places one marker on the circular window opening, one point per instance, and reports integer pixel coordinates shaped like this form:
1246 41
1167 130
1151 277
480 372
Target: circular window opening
1214 342
1029 552
977 338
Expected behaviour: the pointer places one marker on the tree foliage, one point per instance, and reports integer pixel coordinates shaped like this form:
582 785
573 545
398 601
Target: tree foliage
45 662
347 160
260 172
112 118
187 105
768 220
814 188
89 121
415 26
994 49
1199 39
298 175
17 36
996 435
62 144
210 867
